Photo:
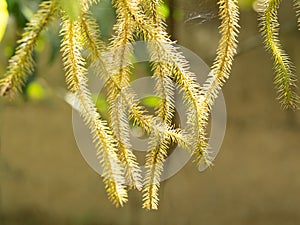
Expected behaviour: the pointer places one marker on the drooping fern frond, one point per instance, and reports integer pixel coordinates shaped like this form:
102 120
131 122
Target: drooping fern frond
155 158
22 64
285 79
77 83
122 52
229 16
164 88
161 68
158 146
227 48
119 120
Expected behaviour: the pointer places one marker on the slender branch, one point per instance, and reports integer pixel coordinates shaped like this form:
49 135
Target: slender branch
22 63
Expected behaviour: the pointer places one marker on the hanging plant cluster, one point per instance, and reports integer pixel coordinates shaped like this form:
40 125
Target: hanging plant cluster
141 20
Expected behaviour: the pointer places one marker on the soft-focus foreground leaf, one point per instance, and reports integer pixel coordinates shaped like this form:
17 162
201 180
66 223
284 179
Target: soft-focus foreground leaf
3 17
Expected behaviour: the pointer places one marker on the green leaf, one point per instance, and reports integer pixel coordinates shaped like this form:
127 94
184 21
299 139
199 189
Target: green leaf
3 17
101 103
35 91
164 10
151 101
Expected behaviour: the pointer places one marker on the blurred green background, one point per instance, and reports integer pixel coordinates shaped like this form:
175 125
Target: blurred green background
255 180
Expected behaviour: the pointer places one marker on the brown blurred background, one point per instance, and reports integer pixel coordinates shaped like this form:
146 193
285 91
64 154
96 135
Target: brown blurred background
256 178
